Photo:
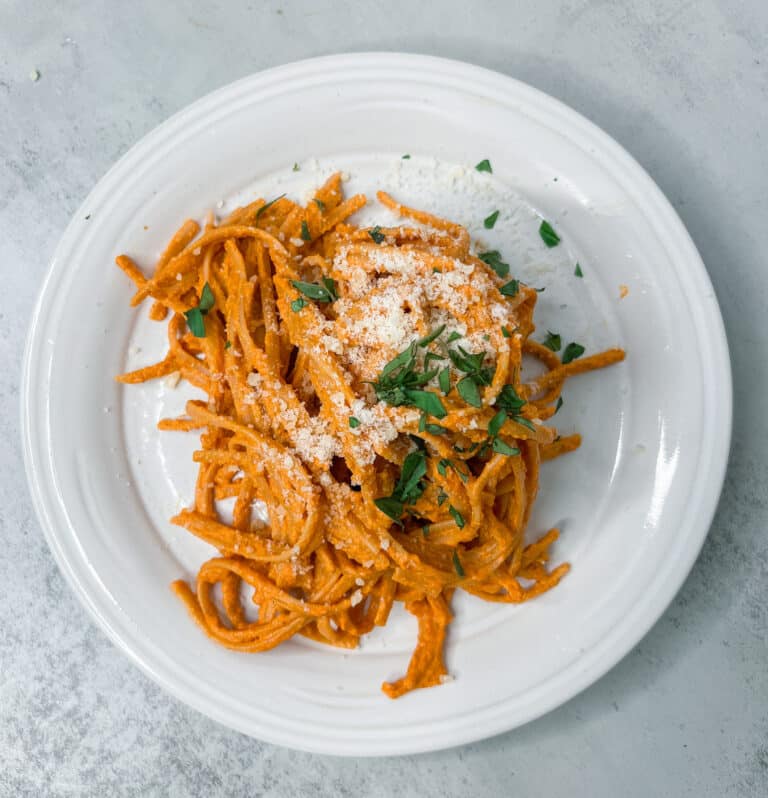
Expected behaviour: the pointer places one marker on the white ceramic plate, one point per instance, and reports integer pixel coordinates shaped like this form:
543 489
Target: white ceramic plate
635 502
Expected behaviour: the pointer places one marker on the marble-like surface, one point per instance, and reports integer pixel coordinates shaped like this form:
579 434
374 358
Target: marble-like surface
684 87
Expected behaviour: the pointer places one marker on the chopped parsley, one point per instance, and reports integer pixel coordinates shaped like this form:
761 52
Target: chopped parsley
559 404
572 351
457 565
577 271
548 234
469 391
490 221
505 332
376 234
400 384
484 166
493 259
457 516
409 487
497 444
509 401
454 336
502 447
427 339
512 404
476 374
510 289
305 234
496 423
430 356
320 293
196 316
444 380
228 344
425 531
321 205
391 507
526 422
354 423
268 205
296 167
298 304
406 157
445 464
553 341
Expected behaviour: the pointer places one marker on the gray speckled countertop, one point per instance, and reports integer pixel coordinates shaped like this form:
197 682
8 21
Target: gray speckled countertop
684 87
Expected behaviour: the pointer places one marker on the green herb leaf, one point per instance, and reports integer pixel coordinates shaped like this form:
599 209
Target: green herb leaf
391 507
194 316
320 293
298 304
428 402
490 221
430 356
457 516
427 339
457 565
572 351
425 531
553 341
406 357
454 336
509 400
505 332
548 234
442 467
354 423
305 234
484 166
228 344
414 468
444 378
422 422
376 234
559 404
441 498
321 205
526 422
436 429
195 322
268 205
510 289
496 423
406 157
502 447
295 167
469 392
330 286
577 271
493 259
206 299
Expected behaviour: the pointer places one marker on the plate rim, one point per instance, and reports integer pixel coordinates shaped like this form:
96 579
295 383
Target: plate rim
583 673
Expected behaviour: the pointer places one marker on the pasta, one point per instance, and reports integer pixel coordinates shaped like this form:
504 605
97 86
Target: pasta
366 385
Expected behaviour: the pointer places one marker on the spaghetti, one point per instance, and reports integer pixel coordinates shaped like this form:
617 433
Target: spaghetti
365 385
